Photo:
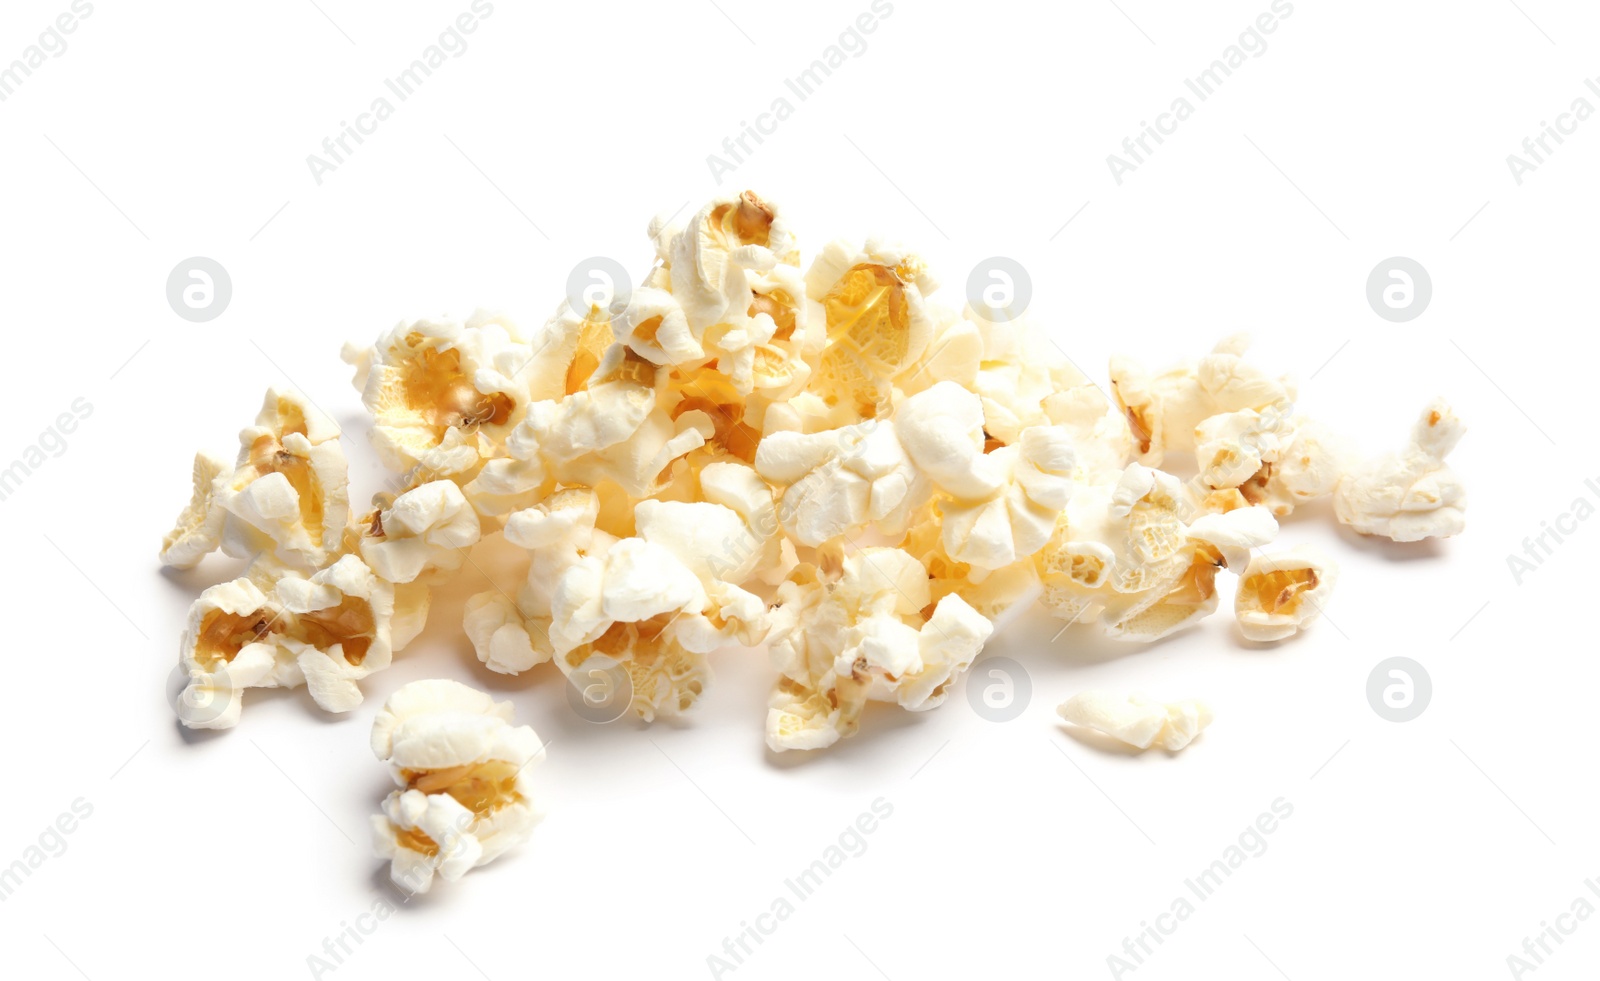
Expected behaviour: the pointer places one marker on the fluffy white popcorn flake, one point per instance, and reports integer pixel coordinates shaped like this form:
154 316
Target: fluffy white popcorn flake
1413 494
1307 469
327 632
441 393
1139 721
504 640
642 607
1124 556
1281 594
463 796
198 530
877 322
230 643
286 496
839 481
425 530
872 633
1164 410
712 260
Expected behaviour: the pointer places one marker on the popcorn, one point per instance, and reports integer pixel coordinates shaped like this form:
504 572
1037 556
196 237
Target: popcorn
1411 495
877 322
1136 720
872 633
1164 410
1307 469
328 632
463 794
427 529
839 481
230 643
198 531
711 261
1126 552
286 497
638 604
822 456
441 393
1280 595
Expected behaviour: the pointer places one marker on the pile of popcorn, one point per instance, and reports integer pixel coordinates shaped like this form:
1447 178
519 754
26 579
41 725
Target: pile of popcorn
742 451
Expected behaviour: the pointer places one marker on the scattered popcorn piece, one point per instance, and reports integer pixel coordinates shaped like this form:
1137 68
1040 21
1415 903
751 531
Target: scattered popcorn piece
1307 469
1136 720
463 796
1411 495
230 643
1279 595
1164 410
869 634
441 393
878 324
626 603
1123 550
286 497
425 530
839 481
327 632
198 531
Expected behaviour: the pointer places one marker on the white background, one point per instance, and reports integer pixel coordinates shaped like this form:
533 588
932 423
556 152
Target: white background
1428 849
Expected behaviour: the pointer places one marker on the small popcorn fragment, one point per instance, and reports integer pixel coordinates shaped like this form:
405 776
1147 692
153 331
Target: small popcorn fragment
839 481
871 633
230 643
1124 554
1164 410
1281 594
877 323
641 606
328 632
198 531
286 496
1411 495
1019 372
1232 447
463 796
341 629
511 636
1308 469
442 393
424 532
1136 720
725 244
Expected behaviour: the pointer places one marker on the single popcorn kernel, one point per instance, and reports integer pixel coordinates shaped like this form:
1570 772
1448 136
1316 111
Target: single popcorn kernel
1136 720
1280 595
463 796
